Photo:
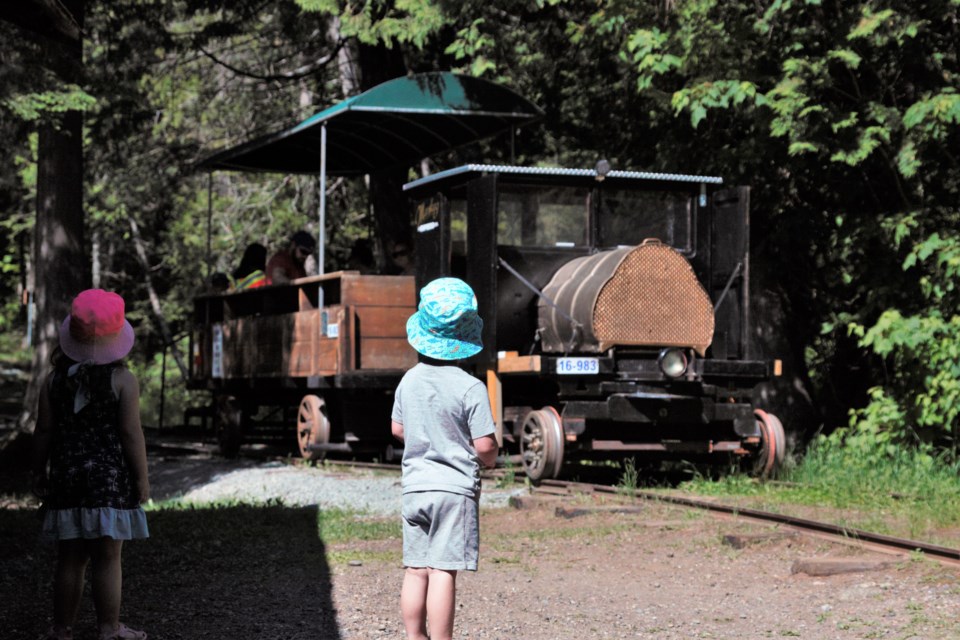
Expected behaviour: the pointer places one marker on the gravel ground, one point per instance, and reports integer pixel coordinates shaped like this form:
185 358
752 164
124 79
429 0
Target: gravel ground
373 492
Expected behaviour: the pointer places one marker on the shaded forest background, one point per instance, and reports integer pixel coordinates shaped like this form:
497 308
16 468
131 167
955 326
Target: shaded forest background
843 117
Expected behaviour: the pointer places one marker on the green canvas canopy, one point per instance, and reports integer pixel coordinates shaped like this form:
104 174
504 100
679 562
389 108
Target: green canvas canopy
397 123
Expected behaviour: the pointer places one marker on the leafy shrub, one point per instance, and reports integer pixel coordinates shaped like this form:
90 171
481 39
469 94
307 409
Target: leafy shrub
921 350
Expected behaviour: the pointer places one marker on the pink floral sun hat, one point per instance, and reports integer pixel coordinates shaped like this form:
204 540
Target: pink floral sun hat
96 330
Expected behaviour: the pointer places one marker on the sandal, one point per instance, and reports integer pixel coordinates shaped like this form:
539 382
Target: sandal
58 633
123 632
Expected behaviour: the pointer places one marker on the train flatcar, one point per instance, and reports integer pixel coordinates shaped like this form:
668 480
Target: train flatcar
616 308
331 347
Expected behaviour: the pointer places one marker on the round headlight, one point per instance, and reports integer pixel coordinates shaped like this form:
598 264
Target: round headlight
673 362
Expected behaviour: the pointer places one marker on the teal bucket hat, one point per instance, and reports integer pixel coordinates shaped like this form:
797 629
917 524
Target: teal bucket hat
446 325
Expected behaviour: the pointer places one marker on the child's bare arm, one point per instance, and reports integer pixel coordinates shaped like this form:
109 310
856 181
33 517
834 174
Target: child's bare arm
487 448
42 434
131 432
397 429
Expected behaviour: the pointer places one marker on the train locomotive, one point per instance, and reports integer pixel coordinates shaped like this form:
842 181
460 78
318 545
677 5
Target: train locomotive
616 311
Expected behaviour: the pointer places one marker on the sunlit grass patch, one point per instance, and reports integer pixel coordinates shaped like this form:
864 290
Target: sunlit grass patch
346 556
341 525
184 504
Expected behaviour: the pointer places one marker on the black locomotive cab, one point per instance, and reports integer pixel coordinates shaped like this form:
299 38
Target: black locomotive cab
615 307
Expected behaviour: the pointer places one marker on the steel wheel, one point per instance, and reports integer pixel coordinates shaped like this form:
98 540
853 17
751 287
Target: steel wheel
541 444
313 426
773 444
228 425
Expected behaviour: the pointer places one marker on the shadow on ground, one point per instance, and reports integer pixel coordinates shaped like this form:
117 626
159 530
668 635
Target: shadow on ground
212 573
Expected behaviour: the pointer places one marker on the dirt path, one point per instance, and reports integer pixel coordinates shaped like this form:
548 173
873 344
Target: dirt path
657 572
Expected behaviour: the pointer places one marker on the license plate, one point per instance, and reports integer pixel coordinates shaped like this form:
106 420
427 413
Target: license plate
578 366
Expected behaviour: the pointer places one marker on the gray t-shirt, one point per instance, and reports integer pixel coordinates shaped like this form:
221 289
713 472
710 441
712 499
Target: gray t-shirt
441 409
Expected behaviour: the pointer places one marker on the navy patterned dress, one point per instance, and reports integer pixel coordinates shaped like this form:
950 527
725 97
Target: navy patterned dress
91 491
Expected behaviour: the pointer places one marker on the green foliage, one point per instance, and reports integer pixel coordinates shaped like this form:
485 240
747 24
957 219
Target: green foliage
162 383
721 94
389 22
33 106
509 476
646 50
922 349
470 44
627 487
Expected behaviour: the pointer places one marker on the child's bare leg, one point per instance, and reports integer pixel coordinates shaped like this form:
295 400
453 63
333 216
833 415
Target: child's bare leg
413 603
106 581
441 603
68 581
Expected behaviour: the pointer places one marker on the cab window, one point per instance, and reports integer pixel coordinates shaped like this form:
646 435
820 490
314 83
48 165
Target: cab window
530 215
627 218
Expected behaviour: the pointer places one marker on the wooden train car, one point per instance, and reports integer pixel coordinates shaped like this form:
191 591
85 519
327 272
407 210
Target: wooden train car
334 346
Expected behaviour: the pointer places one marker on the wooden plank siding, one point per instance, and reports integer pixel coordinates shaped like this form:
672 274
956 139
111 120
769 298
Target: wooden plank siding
361 327
381 308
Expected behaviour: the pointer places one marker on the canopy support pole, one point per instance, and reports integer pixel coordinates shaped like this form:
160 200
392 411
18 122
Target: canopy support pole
209 221
323 198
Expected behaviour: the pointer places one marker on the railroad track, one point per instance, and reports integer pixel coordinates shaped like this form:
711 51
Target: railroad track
877 541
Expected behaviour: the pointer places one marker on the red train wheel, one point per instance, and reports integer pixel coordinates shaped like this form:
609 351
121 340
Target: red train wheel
773 444
313 426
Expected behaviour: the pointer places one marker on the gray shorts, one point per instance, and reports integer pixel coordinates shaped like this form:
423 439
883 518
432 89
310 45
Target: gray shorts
441 530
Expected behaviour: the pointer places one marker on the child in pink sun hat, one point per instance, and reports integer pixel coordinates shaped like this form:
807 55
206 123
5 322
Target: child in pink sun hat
90 461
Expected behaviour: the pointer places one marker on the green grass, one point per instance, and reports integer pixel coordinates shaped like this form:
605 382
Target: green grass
333 525
340 525
902 492
627 487
365 556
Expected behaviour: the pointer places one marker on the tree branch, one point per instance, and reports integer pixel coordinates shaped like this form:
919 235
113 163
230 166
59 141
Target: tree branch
296 74
154 298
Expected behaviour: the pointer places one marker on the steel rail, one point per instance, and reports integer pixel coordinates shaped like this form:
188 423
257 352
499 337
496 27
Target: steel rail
903 544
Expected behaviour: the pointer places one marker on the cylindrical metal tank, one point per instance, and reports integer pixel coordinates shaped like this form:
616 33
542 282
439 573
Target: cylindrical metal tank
640 296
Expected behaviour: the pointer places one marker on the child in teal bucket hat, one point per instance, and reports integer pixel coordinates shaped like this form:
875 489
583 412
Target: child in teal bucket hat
442 415
446 325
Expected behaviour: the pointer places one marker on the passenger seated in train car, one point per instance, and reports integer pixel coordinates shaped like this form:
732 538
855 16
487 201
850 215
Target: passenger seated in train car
399 259
218 282
250 273
361 257
288 263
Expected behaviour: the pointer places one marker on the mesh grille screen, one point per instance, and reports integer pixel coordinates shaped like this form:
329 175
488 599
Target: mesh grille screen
654 299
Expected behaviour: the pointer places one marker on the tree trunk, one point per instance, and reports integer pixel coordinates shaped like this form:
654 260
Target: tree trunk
59 262
346 60
60 265
391 216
